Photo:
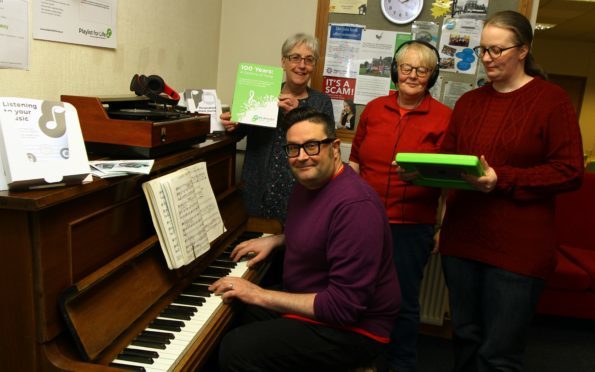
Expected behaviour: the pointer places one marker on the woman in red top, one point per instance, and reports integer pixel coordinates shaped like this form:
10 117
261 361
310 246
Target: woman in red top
407 121
497 243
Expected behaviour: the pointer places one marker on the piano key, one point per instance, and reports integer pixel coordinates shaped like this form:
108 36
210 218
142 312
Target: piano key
135 358
142 353
162 335
197 290
148 343
155 367
216 272
188 300
175 315
127 367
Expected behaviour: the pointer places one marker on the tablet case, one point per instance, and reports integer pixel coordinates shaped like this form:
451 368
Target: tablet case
440 170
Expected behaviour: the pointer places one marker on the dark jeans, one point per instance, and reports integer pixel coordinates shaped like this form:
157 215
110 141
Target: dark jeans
412 244
491 311
272 343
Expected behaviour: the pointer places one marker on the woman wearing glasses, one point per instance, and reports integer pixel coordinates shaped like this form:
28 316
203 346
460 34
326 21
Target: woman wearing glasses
498 242
265 174
409 120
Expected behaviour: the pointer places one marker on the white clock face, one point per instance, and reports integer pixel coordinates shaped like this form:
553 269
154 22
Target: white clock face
401 11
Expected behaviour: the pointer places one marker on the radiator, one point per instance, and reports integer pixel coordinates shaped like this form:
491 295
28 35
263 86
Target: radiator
433 295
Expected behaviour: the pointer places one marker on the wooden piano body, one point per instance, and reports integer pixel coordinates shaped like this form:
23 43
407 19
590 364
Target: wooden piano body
97 241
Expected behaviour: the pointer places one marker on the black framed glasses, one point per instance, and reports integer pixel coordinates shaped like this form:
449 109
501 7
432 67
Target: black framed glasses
421 71
493 51
297 59
311 148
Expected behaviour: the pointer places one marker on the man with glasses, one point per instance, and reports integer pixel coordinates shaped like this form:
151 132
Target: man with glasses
338 304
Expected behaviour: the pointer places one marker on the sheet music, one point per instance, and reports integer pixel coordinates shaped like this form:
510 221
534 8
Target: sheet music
211 217
185 213
187 216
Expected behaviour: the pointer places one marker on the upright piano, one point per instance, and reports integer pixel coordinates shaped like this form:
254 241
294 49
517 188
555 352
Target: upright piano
83 275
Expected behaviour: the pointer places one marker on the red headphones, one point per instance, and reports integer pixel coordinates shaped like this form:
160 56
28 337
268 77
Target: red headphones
153 86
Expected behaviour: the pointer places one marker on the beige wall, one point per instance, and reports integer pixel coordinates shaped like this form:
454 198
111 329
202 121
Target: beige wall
194 43
253 31
178 41
567 57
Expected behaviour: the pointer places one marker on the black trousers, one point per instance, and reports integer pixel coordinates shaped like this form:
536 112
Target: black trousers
268 342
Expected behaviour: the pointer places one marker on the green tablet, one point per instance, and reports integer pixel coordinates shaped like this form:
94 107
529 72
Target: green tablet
440 170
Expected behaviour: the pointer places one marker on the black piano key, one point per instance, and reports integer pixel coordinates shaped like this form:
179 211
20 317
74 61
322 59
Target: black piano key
163 341
223 263
186 309
172 323
174 315
167 325
127 367
208 280
216 272
149 344
143 353
163 335
188 300
135 358
197 290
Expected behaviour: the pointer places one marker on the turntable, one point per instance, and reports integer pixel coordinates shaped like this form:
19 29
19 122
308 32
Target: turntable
133 126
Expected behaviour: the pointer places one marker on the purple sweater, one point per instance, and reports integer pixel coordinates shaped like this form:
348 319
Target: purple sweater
339 246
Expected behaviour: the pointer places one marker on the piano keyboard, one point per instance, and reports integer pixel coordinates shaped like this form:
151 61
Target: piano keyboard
165 341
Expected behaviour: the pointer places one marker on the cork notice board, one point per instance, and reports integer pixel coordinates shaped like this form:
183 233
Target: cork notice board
374 19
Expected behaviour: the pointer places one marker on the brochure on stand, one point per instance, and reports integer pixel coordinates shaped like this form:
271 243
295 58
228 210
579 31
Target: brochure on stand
185 213
256 95
205 101
41 144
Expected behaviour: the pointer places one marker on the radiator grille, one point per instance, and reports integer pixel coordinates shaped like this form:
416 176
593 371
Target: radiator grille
433 296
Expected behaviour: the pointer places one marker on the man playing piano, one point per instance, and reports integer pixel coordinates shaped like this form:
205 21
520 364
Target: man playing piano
337 305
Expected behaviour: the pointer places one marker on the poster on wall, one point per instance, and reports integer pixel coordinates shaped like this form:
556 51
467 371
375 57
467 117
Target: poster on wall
86 22
349 6
342 48
477 9
373 70
14 34
457 40
341 91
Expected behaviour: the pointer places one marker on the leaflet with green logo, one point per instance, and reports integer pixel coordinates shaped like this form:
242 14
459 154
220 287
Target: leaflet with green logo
440 170
256 95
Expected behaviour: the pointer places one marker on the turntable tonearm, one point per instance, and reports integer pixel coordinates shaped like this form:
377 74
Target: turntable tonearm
131 126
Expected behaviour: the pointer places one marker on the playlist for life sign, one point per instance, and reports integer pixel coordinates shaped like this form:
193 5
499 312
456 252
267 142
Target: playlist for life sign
86 22
256 95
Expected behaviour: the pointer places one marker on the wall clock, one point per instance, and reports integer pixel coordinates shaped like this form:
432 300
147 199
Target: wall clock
401 11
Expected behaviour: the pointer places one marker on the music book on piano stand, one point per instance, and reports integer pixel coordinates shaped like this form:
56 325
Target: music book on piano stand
185 213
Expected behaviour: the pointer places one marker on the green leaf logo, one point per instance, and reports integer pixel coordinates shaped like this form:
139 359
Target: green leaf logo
108 33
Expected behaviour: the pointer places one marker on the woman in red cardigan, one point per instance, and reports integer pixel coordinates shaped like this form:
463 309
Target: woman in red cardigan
407 121
497 242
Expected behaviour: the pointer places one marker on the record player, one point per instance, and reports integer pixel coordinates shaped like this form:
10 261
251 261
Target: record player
134 126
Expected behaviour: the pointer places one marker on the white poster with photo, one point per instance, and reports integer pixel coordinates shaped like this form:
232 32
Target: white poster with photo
86 22
14 34
459 37
375 58
342 48
477 9
453 90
